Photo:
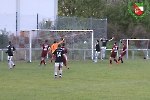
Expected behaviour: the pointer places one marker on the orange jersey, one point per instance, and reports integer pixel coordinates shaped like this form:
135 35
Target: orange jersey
55 46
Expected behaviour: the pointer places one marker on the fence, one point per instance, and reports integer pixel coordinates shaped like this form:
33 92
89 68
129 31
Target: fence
99 26
22 54
21 41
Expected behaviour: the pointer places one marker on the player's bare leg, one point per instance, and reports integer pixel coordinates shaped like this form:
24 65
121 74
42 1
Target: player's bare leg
110 61
65 61
42 61
52 58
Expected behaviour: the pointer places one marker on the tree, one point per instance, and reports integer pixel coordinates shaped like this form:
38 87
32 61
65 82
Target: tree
3 40
116 11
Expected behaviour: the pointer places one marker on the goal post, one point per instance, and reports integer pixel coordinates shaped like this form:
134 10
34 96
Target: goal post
79 42
136 48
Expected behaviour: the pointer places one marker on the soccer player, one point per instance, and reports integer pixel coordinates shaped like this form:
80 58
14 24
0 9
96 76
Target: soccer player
10 52
103 47
45 48
65 60
54 46
113 54
97 52
123 52
59 53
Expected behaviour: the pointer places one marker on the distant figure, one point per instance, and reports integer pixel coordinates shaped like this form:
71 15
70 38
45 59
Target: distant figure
65 58
10 52
123 52
45 48
97 52
103 47
59 54
113 54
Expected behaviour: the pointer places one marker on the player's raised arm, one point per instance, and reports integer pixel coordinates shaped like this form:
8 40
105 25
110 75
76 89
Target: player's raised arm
61 41
100 39
111 39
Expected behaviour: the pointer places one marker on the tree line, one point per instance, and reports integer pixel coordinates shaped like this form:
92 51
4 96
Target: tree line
121 24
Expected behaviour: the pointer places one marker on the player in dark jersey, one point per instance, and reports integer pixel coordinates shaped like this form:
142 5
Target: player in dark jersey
113 54
10 52
59 54
97 52
123 52
103 47
45 49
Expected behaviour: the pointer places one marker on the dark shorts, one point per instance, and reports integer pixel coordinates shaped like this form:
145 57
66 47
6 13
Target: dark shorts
113 54
44 54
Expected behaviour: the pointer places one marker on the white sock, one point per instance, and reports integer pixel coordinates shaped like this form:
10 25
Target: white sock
60 71
103 55
55 73
12 62
9 64
95 59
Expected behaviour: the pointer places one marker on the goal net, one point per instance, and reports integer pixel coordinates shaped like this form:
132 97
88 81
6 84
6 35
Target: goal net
136 48
78 42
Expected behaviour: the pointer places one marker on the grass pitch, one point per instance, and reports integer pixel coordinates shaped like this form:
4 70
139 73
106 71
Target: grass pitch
84 81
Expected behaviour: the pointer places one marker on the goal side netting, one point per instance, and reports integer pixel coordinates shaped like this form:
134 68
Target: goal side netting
78 42
136 48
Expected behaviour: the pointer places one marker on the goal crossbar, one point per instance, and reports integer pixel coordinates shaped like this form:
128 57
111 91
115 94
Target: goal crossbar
62 30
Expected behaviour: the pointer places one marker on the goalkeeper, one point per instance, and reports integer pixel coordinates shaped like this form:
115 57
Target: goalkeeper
54 46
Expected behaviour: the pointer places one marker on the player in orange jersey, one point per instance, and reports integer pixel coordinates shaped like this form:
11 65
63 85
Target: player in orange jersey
54 46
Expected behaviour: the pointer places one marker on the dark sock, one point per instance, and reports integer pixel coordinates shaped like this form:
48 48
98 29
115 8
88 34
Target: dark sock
115 60
110 61
44 62
121 60
41 62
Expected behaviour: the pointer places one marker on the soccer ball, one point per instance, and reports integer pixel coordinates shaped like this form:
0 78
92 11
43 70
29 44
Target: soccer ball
85 42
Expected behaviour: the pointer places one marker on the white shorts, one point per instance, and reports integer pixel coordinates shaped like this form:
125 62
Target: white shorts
9 57
103 49
97 53
58 63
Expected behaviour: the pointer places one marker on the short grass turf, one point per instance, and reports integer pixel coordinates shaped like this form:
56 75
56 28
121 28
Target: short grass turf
84 80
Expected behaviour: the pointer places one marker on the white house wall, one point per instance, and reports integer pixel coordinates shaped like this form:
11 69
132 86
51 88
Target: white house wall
27 13
8 14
